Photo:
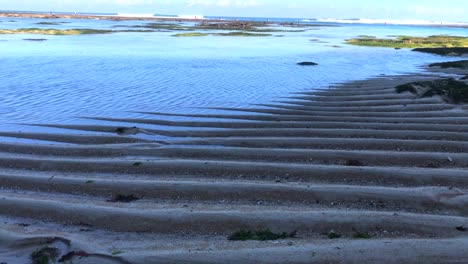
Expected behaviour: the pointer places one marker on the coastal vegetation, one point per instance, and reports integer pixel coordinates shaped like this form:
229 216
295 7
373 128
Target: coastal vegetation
437 41
449 89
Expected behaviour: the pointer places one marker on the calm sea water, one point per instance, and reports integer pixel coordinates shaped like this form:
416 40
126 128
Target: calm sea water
114 75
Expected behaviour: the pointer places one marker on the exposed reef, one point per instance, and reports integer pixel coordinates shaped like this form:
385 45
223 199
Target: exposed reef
229 34
463 64
42 31
456 51
450 90
438 41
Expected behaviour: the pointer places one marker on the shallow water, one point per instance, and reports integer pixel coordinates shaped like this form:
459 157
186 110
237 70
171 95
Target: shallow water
113 75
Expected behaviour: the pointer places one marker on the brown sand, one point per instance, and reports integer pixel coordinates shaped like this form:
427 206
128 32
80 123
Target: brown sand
284 167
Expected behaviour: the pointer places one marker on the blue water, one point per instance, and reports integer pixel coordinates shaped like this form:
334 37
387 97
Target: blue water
117 74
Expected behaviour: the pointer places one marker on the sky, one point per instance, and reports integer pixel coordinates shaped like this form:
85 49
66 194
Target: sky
434 10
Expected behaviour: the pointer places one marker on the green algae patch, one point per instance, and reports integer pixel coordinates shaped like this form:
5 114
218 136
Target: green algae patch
242 34
45 23
191 34
463 64
450 90
438 41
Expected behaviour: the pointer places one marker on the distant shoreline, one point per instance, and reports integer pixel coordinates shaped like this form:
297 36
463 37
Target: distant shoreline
39 15
128 17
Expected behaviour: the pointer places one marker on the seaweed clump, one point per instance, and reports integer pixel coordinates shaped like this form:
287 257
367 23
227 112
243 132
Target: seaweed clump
361 235
121 198
450 90
262 235
191 34
45 255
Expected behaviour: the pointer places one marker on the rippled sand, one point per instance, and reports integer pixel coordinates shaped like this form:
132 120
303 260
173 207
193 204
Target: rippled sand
355 158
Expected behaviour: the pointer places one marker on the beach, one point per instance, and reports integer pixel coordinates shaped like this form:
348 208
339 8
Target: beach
146 146
384 171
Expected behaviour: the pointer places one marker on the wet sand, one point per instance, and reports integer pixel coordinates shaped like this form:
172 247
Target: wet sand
356 157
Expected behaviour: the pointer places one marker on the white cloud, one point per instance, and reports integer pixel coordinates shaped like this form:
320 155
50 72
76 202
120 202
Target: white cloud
248 3
431 11
224 3
191 3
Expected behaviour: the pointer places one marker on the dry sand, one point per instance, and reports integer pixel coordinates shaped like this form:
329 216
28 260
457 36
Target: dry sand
282 166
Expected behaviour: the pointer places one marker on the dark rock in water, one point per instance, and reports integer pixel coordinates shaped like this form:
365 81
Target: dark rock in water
397 48
307 63
444 51
464 78
35 39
